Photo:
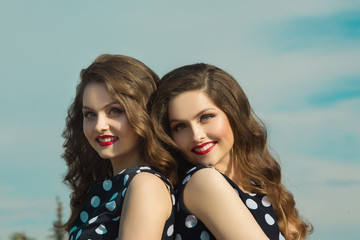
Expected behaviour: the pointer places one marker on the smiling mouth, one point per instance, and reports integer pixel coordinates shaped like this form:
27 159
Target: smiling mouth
204 148
106 140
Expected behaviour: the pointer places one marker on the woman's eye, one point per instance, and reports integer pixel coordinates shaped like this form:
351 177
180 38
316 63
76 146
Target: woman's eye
89 114
179 127
116 111
207 117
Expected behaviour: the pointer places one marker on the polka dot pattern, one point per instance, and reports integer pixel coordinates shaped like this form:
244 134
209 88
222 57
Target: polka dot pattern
84 216
101 230
191 221
265 202
78 234
187 226
93 220
111 206
126 178
107 185
170 230
204 235
186 179
95 201
101 212
173 199
269 219
251 204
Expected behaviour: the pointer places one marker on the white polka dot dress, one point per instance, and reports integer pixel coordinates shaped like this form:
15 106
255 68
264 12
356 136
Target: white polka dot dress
100 216
188 227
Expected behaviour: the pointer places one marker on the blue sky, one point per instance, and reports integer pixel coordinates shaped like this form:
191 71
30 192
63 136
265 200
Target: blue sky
298 62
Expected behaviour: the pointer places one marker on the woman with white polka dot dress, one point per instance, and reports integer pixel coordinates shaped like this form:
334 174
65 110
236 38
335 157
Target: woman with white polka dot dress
188 225
231 187
120 175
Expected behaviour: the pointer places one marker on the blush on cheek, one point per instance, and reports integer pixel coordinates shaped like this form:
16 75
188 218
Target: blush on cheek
223 130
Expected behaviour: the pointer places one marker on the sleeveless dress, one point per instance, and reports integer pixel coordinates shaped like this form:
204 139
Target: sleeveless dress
100 216
188 227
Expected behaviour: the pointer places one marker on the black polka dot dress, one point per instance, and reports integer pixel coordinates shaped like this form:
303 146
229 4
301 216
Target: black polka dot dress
100 216
188 227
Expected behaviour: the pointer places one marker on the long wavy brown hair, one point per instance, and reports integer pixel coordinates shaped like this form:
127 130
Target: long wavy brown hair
250 153
131 83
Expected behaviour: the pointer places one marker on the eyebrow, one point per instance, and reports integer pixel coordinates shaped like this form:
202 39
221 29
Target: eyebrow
107 105
196 115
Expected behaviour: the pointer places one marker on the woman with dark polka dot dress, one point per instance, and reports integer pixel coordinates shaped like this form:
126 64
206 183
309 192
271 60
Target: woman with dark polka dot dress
231 187
120 175
99 218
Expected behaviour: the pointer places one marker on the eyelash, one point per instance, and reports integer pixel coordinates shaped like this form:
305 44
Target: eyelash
90 114
116 111
87 114
177 127
203 118
206 117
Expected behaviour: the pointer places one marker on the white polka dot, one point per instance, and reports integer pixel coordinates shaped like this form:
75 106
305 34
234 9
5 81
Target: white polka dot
157 175
191 170
281 237
116 219
204 236
191 221
126 178
138 171
101 230
145 167
84 216
95 201
170 231
111 206
107 185
251 204
93 219
252 194
265 201
186 179
173 199
178 237
269 219
122 171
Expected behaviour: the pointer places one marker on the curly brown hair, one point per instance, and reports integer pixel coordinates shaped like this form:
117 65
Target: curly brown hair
131 83
250 153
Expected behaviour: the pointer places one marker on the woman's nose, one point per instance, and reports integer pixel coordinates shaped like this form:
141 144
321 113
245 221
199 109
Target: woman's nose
198 133
101 124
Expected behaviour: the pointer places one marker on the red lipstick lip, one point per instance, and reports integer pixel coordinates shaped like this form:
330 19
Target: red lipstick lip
107 143
201 146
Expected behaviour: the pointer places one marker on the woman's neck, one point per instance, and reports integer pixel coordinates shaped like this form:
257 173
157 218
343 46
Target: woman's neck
233 172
